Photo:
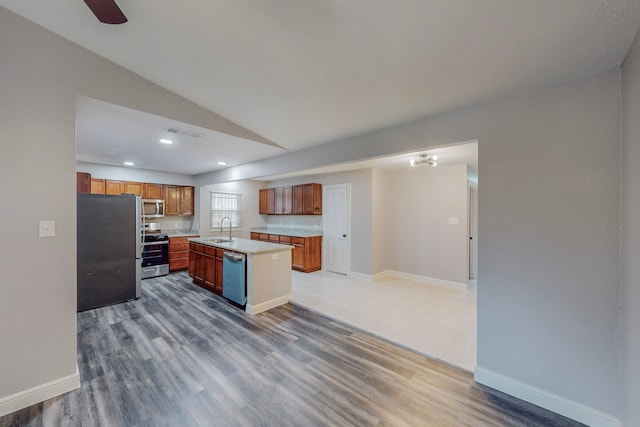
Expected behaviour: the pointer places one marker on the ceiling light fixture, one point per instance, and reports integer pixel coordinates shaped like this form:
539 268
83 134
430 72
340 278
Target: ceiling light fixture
166 141
424 159
129 163
222 163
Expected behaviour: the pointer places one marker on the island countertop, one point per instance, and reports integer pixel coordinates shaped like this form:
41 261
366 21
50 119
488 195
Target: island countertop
288 231
245 246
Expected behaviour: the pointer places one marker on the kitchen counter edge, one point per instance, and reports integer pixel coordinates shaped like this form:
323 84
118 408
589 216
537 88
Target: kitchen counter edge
245 246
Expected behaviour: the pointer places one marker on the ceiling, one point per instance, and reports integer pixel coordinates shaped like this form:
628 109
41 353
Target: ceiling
464 152
304 73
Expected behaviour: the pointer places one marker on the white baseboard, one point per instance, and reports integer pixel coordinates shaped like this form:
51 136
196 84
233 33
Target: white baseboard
423 279
268 305
560 405
361 276
39 393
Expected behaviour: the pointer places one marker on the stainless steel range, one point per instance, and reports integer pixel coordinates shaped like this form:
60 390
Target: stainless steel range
155 255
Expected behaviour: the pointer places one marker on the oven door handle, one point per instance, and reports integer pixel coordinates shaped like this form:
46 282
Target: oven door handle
163 242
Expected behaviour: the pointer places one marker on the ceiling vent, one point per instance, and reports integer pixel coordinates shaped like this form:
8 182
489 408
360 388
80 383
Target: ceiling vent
185 132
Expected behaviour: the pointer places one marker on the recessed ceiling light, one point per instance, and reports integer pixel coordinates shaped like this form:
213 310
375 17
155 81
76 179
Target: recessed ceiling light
222 163
129 163
166 141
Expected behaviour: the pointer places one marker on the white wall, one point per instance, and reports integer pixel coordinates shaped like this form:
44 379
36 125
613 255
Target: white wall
424 243
630 274
548 221
40 76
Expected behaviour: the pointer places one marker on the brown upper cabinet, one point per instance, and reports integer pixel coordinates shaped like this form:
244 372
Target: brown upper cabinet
83 182
97 186
287 201
304 199
178 200
113 187
186 200
153 191
312 199
120 187
133 188
271 201
283 201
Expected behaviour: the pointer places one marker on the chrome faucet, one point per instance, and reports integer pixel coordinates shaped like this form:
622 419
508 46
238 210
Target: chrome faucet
222 222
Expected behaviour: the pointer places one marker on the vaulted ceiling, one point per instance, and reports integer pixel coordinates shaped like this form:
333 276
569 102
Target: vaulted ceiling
301 73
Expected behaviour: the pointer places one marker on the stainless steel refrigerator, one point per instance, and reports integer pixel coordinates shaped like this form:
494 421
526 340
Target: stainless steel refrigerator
109 249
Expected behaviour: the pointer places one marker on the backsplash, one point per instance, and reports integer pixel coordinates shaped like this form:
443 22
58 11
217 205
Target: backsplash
172 223
295 221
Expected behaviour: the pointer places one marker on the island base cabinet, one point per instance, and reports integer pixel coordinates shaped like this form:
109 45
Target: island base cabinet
205 266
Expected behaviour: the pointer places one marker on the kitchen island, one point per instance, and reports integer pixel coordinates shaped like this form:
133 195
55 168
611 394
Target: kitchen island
268 269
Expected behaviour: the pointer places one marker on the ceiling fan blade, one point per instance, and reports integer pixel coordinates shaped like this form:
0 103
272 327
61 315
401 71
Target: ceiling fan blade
107 11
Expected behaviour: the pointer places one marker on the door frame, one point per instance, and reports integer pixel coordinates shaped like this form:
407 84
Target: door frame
325 188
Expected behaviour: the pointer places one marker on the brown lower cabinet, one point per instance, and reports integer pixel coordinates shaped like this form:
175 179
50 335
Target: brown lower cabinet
179 253
205 266
307 251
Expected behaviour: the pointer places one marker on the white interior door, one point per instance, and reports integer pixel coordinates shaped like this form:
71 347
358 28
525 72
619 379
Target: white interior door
336 229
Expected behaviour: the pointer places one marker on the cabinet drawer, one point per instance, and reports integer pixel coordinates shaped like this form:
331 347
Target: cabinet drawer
255 236
297 240
178 255
178 247
285 240
178 240
179 264
210 250
264 237
219 253
274 238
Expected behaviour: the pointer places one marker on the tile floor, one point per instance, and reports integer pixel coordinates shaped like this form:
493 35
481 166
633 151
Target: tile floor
433 320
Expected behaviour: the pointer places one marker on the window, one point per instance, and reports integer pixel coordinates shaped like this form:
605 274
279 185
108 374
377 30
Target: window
225 205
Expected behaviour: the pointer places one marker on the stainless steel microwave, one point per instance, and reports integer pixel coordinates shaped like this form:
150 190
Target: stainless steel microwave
152 208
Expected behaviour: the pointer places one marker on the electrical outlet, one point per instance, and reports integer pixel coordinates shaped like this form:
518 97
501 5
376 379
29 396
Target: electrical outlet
47 229
274 257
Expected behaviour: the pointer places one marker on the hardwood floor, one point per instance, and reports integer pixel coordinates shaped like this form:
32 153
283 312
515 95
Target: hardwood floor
181 356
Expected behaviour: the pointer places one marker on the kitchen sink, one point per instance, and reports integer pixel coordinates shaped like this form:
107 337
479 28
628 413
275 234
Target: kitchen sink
219 240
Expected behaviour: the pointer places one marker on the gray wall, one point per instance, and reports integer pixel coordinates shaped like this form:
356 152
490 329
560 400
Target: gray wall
548 217
40 76
630 301
383 241
421 202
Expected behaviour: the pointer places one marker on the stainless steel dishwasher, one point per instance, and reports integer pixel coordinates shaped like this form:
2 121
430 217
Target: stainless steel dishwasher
234 277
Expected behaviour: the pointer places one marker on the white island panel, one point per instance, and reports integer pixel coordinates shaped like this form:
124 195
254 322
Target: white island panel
268 280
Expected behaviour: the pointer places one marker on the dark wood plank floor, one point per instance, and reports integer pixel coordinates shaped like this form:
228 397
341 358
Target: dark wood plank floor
181 356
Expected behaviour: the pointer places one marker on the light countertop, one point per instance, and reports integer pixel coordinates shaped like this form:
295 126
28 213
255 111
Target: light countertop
242 245
178 233
288 231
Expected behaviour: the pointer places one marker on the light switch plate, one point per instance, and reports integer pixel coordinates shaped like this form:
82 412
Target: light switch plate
453 220
47 229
